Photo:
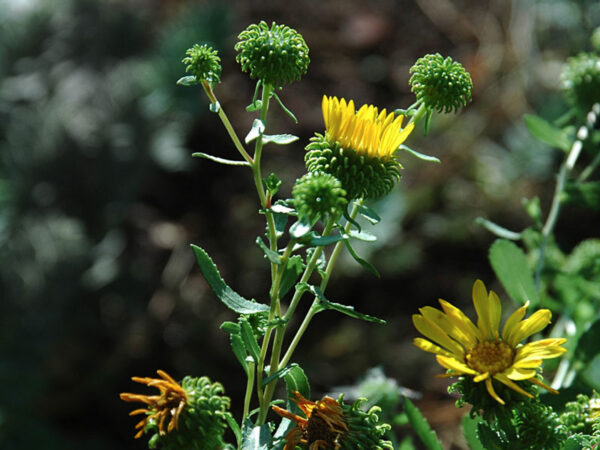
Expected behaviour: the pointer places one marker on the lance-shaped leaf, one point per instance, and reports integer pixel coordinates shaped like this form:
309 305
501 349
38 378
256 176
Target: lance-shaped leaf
547 133
250 340
255 437
292 271
228 296
271 255
344 309
368 213
421 426
258 127
419 155
239 350
279 139
366 264
511 268
227 162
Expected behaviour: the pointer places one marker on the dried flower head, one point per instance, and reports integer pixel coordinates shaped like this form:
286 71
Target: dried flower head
276 55
441 84
481 352
358 147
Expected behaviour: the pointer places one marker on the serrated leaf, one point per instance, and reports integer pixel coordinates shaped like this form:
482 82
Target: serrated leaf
249 340
271 255
228 162
419 155
469 426
279 139
228 296
367 265
258 127
230 327
497 229
421 426
510 265
488 437
239 350
546 132
189 80
368 213
586 195
325 304
293 269
255 438
588 345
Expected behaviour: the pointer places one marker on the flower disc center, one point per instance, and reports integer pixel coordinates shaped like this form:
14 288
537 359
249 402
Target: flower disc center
491 356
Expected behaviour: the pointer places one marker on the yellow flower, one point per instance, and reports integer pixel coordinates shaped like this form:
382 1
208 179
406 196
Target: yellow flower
322 428
481 351
166 406
367 131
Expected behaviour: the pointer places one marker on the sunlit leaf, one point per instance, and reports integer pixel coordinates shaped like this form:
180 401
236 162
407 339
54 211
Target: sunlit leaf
421 426
546 132
511 268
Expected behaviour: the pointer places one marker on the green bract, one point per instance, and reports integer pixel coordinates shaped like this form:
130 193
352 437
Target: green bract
440 84
581 81
201 424
204 63
364 429
361 176
276 55
317 195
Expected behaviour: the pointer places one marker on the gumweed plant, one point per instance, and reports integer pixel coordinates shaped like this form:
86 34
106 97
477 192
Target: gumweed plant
355 158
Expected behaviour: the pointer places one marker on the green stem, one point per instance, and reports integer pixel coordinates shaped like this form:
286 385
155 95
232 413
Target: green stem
249 389
312 311
589 169
236 141
418 115
275 364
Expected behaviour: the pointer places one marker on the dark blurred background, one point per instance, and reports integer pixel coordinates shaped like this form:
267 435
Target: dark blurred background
100 197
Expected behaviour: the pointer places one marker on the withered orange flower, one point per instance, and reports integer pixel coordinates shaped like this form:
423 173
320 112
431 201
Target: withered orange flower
162 408
322 428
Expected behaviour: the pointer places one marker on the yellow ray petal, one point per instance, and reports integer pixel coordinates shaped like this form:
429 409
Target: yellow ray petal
536 322
432 331
492 392
480 300
545 386
513 320
438 317
515 373
430 347
455 365
459 319
483 376
495 313
511 384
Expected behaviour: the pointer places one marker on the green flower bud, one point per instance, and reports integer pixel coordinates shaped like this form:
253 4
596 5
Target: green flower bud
276 55
581 81
204 63
440 84
364 428
318 195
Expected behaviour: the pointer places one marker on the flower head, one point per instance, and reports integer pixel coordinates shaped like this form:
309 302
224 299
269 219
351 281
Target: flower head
276 55
322 428
358 147
191 415
318 194
204 63
481 351
581 81
441 84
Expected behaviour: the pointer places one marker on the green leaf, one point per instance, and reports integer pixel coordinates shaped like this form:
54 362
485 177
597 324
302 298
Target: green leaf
271 255
254 106
497 229
250 340
256 438
469 426
510 265
228 162
325 304
285 110
588 345
228 296
299 229
362 236
421 426
351 220
279 139
272 183
368 213
279 374
547 133
367 265
315 240
258 127
189 80
419 155
586 195
489 438
534 209
234 427
239 350
296 380
292 271
230 327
